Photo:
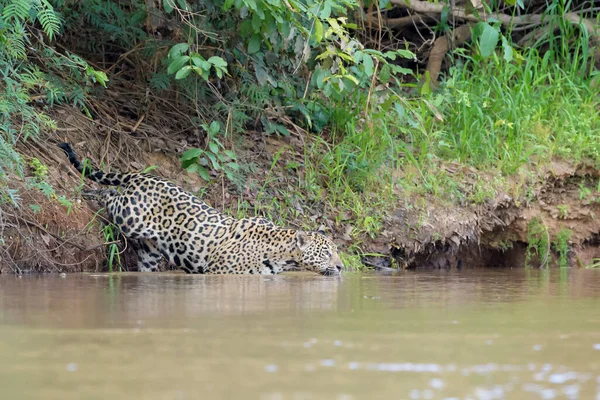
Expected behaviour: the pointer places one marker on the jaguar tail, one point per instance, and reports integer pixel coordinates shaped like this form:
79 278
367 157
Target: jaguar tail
103 178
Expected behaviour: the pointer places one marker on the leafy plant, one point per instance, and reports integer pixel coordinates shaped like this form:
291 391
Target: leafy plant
19 119
39 169
563 211
111 233
538 242
183 61
561 246
215 155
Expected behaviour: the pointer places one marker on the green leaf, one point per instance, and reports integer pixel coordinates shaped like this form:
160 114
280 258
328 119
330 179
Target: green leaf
385 73
390 54
407 54
351 78
256 22
231 154
213 147
201 63
217 61
233 166
319 77
168 6
178 50
399 110
177 63
318 31
214 128
193 167
35 208
183 72
400 70
150 168
285 29
97 76
263 77
426 88
282 130
191 154
203 172
254 44
49 20
227 5
214 161
368 65
183 5
488 40
198 60
508 50
325 12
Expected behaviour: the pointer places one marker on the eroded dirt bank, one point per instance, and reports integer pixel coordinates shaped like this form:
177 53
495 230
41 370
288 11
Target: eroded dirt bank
553 221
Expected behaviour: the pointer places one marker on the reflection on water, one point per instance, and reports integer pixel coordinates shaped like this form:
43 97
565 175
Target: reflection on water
476 334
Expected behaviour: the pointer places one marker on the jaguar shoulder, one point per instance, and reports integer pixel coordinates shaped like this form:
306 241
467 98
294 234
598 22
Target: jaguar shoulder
169 222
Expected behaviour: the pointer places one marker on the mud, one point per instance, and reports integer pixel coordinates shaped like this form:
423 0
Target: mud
431 235
564 200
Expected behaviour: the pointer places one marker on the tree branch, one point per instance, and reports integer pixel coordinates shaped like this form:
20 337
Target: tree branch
506 20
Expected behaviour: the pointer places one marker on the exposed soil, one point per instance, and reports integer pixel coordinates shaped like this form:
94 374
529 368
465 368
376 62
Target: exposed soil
496 233
431 235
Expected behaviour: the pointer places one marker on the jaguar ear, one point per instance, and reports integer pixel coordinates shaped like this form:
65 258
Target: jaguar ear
302 240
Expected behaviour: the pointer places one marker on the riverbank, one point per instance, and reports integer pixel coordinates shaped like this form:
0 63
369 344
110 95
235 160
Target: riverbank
489 159
533 217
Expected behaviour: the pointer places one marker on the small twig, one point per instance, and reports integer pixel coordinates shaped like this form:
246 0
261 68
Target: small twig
137 124
101 245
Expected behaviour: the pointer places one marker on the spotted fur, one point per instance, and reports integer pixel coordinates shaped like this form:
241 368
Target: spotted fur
172 223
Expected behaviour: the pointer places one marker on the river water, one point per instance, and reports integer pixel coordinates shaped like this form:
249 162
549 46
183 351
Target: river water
473 334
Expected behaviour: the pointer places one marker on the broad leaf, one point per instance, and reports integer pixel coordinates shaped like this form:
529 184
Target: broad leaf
508 50
488 40
218 61
213 147
214 128
177 63
254 44
203 173
183 72
178 50
318 31
191 154
168 6
368 65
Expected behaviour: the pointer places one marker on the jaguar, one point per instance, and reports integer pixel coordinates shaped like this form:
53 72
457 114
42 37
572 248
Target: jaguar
167 221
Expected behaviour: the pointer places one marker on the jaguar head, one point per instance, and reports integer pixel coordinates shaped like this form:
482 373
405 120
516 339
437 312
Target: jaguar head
318 253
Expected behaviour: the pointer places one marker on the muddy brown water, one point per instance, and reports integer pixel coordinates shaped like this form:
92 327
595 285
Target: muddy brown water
474 334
